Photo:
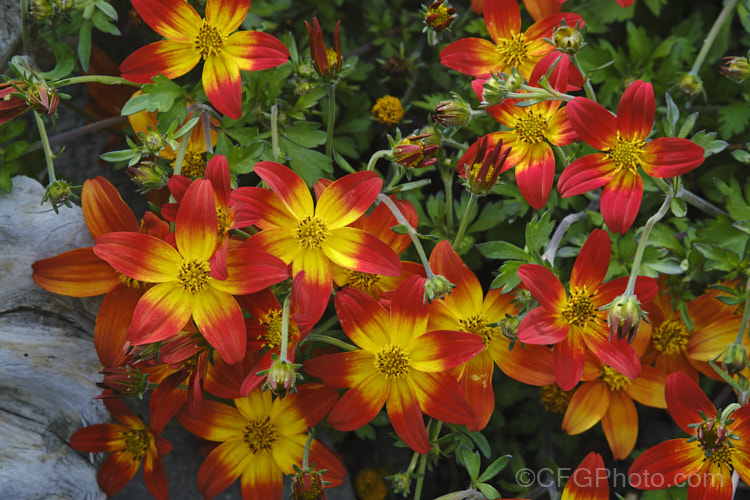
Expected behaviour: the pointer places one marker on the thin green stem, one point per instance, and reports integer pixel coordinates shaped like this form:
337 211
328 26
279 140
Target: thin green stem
48 156
434 427
638 257
25 31
690 197
562 154
180 157
554 242
275 131
454 144
206 122
464 221
104 79
447 176
326 325
327 339
745 314
587 81
712 34
412 233
375 157
306 453
408 186
284 329
331 118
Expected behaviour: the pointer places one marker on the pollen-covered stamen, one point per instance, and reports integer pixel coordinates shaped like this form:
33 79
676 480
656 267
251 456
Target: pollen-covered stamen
208 40
392 361
260 435
627 153
713 439
194 274
478 325
193 164
312 231
614 379
513 51
272 323
137 443
130 282
531 127
555 399
363 281
221 218
333 59
670 337
579 309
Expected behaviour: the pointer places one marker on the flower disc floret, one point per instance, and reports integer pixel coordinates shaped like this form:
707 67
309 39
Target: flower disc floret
312 231
137 442
513 51
193 274
477 324
392 361
209 40
627 153
614 379
532 127
260 435
363 281
670 337
579 309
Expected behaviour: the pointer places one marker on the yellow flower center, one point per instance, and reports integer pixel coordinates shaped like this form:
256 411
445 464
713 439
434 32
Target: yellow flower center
272 322
333 59
531 127
441 16
513 51
717 449
130 282
670 337
260 435
614 379
193 165
137 443
477 325
193 274
388 110
392 361
627 153
221 218
414 157
579 309
370 485
555 399
209 40
363 281
312 231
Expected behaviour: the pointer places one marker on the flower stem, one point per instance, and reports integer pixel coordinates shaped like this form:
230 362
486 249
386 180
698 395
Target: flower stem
712 34
745 314
25 27
331 118
375 157
104 79
412 233
306 453
48 156
206 122
638 257
562 228
464 221
434 432
407 186
284 329
446 174
690 197
587 82
327 339
323 327
275 131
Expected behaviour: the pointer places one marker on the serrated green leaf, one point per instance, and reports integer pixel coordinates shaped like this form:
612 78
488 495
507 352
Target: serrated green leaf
733 119
502 250
494 468
305 134
309 164
158 96
538 231
709 143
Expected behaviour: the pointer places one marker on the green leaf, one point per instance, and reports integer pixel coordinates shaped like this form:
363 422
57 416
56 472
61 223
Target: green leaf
538 231
708 141
743 12
66 60
494 468
161 95
735 201
310 99
741 155
743 226
488 491
84 45
503 250
508 278
655 5
639 43
6 183
107 9
365 432
470 460
115 156
341 162
673 114
309 164
678 207
103 24
733 119
688 125
305 134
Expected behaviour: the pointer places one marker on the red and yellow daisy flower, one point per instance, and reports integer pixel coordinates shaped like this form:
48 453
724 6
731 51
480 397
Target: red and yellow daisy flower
261 439
467 309
622 140
719 444
510 47
589 480
185 280
400 364
574 322
191 38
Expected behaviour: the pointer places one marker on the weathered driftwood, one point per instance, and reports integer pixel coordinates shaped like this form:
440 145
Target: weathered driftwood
48 366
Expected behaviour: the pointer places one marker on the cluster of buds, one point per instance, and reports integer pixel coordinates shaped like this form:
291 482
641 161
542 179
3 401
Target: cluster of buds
125 382
736 68
453 113
17 96
568 39
438 17
624 317
412 151
327 60
497 87
60 193
480 167
45 10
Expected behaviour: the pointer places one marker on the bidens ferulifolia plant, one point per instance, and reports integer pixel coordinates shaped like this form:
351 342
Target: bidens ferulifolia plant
428 247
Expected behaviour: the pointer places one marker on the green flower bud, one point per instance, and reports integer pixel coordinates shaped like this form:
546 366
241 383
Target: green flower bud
734 358
624 317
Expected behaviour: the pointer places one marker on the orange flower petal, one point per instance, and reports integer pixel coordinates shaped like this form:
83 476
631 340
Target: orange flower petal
587 407
173 19
364 320
467 298
592 262
219 318
406 416
112 323
76 273
116 471
223 85
442 350
250 271
214 421
343 369
224 465
289 187
666 464
139 256
98 438
348 198
227 15
589 480
360 404
357 250
162 311
267 205
476 383
279 242
620 425
530 364
255 50
171 59
471 56
439 396
104 209
502 18
685 401
648 389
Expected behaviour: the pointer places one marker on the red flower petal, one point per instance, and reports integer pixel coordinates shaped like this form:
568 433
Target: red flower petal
342 370
348 198
219 318
635 113
543 285
196 230
440 396
171 59
116 471
255 50
408 312
618 354
591 265
442 350
139 256
535 174
540 326
502 18
406 416
593 122
357 250
250 271
685 399
586 174
570 356
671 156
589 480
223 85
172 19
76 273
104 209
360 404
289 187
620 201
666 464
364 320
471 56
162 311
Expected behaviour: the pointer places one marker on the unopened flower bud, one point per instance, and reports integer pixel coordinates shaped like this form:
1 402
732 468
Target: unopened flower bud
327 60
624 317
690 85
401 483
734 358
453 113
153 142
567 39
736 68
439 17
412 152
308 485
437 287
148 176
481 165
494 91
60 193
509 327
123 382
282 377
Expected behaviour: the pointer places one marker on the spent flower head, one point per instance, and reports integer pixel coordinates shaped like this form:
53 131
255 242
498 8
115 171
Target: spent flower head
481 169
411 151
438 16
624 317
327 60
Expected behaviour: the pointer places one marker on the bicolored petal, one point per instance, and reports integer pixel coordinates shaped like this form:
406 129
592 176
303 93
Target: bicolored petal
196 230
586 174
440 396
214 421
305 408
98 438
255 50
267 206
543 27
250 271
104 210
559 130
224 465
535 174
593 122
76 273
620 425
648 389
710 341
471 56
476 383
360 404
589 480
139 256
313 270
217 172
544 286
406 416
112 323
635 112
348 198
408 312
569 356
364 320
685 401
263 478
440 351
226 15
666 464
219 318
530 364
620 201
116 471
541 326
171 59
279 242
591 265
671 156
155 476
618 354
502 18
587 407
467 297
172 19
539 9
288 186
358 250
162 311
223 85
343 369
